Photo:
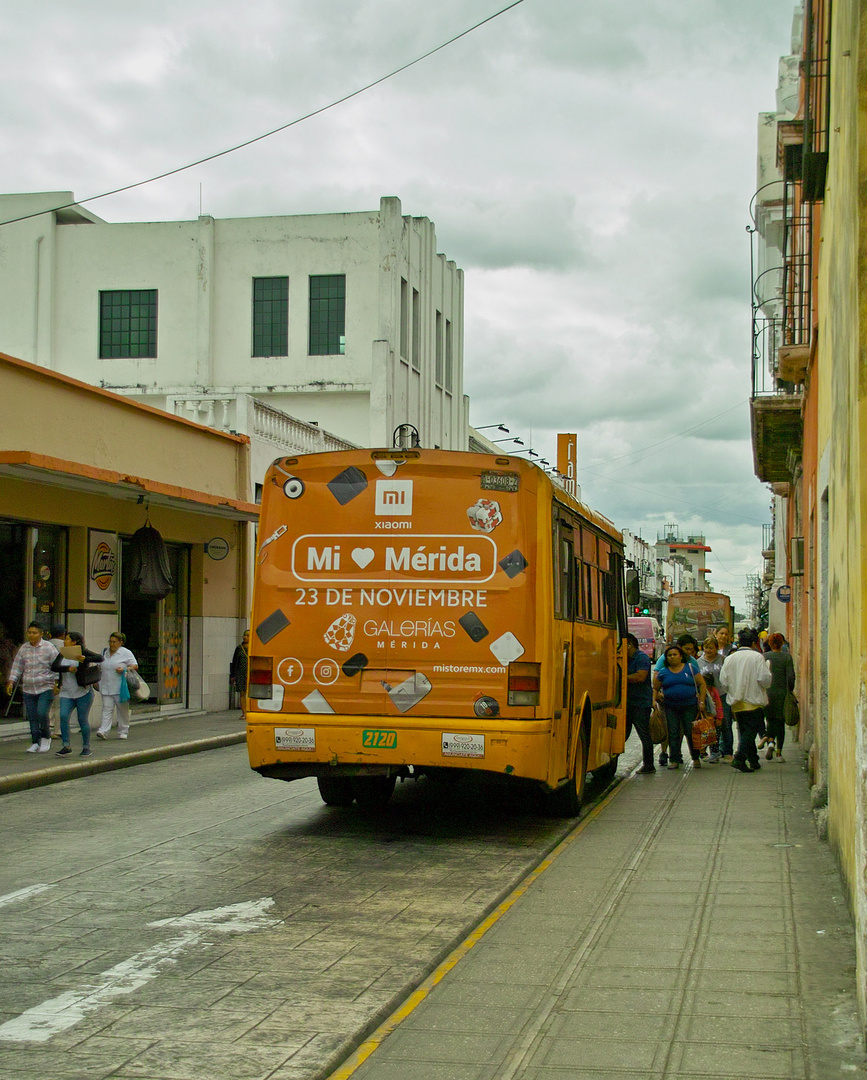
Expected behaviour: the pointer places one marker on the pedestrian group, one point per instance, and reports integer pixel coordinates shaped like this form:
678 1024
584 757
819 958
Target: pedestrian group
64 669
709 692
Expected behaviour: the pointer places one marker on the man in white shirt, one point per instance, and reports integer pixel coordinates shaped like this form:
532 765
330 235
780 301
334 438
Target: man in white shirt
745 677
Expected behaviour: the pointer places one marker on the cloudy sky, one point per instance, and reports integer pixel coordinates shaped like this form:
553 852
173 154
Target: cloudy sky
588 163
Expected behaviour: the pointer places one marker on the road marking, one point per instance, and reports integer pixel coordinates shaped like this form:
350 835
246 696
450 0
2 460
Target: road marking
374 1041
60 1013
24 894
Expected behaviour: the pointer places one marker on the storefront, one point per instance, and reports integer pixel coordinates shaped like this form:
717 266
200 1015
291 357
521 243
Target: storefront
70 524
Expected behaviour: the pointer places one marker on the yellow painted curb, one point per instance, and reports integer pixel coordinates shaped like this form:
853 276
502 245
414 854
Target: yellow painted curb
372 1043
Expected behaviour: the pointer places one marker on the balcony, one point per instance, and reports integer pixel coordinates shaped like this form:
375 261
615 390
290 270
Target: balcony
777 428
245 415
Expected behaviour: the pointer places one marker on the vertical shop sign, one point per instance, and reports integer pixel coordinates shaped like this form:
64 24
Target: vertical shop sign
101 566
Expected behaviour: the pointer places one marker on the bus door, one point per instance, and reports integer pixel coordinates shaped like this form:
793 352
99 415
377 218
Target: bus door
566 597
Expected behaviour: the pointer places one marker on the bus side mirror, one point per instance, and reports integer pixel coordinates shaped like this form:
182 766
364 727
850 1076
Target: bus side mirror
633 588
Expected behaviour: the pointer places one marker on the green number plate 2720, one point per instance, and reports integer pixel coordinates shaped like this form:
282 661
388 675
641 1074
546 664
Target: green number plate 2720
381 740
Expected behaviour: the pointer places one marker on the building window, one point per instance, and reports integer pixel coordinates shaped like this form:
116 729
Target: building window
447 382
404 320
416 330
271 316
438 348
327 314
127 323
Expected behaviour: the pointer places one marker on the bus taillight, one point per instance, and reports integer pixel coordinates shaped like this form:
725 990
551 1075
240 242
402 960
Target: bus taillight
524 682
261 677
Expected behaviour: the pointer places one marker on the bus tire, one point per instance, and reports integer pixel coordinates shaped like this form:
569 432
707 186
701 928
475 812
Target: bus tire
606 772
567 800
373 792
335 790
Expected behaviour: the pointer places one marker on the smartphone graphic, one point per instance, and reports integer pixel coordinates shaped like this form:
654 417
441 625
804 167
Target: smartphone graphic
473 626
355 664
410 692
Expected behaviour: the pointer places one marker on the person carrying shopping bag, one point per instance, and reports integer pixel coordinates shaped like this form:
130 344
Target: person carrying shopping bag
116 662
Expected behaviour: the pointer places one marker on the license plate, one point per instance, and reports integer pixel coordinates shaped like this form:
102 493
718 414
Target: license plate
379 740
463 745
289 738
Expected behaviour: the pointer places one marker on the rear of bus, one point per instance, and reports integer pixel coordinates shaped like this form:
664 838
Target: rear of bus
402 621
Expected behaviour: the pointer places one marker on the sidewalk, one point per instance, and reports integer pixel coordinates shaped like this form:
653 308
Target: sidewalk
150 739
692 926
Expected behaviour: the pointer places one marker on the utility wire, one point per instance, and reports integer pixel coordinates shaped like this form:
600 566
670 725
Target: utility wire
276 130
667 439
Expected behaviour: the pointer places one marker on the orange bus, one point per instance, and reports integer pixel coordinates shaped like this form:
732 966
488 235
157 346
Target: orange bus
422 610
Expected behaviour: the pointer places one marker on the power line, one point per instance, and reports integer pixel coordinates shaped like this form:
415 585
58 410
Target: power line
668 439
276 130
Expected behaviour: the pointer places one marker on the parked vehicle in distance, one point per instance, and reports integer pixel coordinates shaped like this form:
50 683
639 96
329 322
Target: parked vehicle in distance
649 634
422 611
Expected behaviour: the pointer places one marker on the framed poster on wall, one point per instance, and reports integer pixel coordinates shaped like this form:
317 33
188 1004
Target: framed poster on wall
101 567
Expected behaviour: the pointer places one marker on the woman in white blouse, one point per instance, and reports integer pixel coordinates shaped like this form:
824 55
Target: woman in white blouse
116 661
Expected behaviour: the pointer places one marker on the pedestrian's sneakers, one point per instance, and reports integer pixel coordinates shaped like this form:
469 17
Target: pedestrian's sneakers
86 752
63 751
663 760
741 766
123 736
728 758
33 748
779 757
713 758
101 735
44 746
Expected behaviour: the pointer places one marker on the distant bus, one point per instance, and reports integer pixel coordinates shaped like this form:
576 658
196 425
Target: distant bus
697 613
416 611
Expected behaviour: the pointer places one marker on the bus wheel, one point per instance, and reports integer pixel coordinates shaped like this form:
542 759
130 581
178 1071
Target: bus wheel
566 800
373 792
335 790
606 772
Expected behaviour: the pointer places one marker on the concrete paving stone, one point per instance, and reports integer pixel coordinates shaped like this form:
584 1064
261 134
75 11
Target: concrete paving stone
676 956
620 1000
40 1060
478 1017
172 1060
383 1069
504 965
639 978
573 1072
628 1026
432 1046
157 1022
316 1015
740 1061
517 995
755 1006
596 1053
769 982
180 993
760 957
773 1031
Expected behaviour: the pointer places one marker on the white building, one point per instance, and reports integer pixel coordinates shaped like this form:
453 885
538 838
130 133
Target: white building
351 323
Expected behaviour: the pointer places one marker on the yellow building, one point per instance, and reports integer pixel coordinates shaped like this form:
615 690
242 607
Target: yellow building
810 420
81 471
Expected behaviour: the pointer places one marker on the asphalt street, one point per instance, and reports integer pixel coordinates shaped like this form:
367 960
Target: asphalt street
187 918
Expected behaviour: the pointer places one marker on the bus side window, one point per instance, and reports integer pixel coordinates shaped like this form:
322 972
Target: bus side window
580 591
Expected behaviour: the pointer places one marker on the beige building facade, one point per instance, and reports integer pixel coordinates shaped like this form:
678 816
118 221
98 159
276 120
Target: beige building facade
81 471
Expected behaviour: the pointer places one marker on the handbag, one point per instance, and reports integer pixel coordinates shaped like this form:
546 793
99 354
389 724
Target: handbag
657 726
88 674
703 733
136 685
791 710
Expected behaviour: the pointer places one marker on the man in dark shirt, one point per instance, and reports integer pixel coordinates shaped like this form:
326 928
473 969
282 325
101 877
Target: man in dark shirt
639 699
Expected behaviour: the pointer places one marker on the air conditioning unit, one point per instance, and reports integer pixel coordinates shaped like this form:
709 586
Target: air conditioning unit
796 556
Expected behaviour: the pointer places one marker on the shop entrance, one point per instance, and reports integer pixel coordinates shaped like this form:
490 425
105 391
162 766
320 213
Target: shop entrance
32 589
156 630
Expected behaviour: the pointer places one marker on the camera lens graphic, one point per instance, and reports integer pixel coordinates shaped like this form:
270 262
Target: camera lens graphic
293 488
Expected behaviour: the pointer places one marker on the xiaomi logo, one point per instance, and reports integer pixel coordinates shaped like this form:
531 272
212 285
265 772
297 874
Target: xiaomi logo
393 498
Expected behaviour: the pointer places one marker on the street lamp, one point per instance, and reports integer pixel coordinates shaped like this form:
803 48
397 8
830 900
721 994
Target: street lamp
499 427
520 442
